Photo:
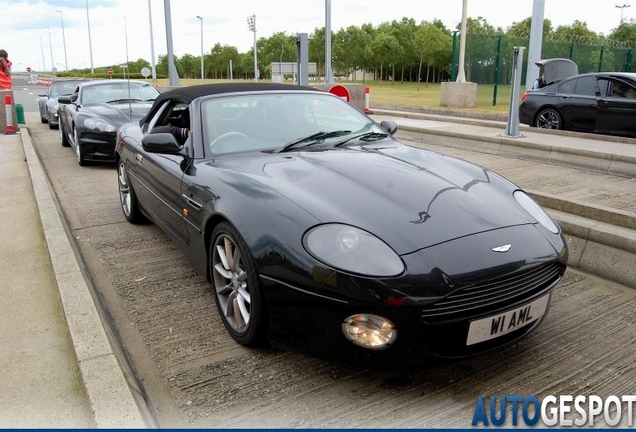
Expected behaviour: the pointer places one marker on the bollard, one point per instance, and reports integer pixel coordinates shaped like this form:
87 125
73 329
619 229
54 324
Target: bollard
9 109
19 113
366 100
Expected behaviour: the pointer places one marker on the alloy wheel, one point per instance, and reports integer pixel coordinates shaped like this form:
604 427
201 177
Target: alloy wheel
230 282
549 119
124 190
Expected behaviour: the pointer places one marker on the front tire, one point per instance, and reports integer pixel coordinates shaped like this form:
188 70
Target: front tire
79 153
237 287
549 118
127 197
51 125
63 138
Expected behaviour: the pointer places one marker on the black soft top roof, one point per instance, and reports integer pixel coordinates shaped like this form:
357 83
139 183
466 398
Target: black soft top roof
189 93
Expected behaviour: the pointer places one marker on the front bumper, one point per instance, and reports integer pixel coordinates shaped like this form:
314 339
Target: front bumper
98 146
432 305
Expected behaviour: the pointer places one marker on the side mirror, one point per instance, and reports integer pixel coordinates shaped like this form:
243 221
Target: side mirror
43 95
389 125
163 143
64 100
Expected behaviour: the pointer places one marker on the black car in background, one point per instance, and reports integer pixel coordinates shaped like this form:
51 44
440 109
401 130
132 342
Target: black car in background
90 117
318 229
48 103
603 103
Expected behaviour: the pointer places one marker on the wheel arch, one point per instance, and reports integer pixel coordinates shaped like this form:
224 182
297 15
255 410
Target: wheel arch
210 225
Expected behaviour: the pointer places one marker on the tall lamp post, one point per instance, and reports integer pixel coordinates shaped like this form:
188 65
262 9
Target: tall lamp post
251 23
202 76
622 8
90 44
63 38
51 47
42 48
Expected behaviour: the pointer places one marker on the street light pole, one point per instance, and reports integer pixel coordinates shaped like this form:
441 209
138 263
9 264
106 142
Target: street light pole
251 23
42 47
63 38
461 75
152 46
90 44
622 8
51 47
328 70
202 76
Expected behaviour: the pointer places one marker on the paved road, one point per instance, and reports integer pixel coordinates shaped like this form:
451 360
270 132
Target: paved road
194 375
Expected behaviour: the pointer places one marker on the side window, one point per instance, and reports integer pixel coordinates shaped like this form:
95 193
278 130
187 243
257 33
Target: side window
622 90
586 86
153 121
603 86
568 87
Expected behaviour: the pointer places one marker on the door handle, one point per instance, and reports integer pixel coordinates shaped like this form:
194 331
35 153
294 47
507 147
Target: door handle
139 158
191 201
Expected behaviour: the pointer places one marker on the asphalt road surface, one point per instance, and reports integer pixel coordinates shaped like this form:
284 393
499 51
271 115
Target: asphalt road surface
193 374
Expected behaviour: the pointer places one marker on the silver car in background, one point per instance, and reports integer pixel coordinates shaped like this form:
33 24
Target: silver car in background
48 103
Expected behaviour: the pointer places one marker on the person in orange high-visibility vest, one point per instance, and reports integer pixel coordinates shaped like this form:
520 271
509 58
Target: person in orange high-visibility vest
5 70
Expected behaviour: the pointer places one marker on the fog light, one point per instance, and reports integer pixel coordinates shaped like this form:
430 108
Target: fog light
369 331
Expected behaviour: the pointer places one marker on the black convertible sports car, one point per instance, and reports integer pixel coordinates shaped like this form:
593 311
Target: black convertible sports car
318 230
48 104
90 117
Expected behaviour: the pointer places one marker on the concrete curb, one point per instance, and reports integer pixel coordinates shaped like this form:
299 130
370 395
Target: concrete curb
492 120
111 399
607 163
599 248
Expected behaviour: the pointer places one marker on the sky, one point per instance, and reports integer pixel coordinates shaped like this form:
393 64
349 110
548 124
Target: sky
120 29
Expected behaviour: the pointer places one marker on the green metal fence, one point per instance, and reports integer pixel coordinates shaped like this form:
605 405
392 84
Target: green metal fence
488 61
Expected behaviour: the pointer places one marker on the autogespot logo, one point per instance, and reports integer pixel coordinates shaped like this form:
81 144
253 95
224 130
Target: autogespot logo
564 410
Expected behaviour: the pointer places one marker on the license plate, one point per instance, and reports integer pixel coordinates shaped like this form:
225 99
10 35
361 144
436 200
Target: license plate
506 322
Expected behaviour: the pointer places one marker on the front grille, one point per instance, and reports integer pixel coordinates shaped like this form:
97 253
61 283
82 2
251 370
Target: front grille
496 294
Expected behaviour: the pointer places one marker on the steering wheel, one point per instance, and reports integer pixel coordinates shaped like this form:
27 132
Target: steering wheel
218 140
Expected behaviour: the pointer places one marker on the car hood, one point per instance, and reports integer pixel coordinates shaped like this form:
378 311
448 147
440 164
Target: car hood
408 197
119 114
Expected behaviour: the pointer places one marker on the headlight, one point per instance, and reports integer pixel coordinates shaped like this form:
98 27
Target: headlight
352 250
369 331
535 211
99 125
53 104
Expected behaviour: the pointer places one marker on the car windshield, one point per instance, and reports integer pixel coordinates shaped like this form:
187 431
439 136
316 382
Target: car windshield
120 92
62 88
280 121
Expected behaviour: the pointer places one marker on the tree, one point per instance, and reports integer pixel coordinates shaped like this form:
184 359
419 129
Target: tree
432 44
522 29
348 45
186 65
404 32
482 49
317 49
386 49
626 32
577 32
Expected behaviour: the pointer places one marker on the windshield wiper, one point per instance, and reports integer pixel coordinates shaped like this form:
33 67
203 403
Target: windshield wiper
319 137
368 136
123 100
